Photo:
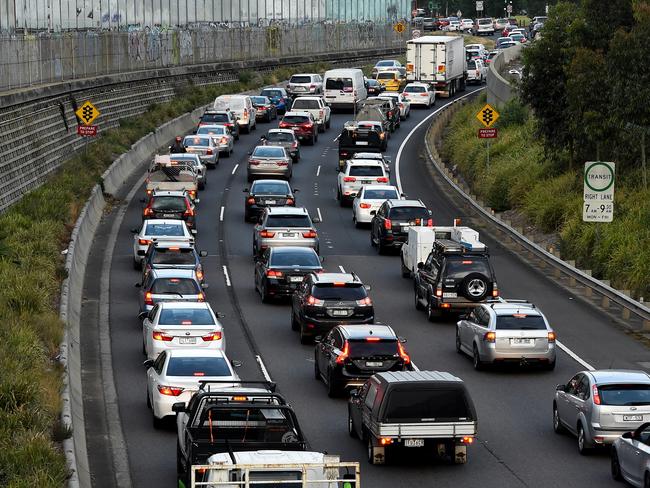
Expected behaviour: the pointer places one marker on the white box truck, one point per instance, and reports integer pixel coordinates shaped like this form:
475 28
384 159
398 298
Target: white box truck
439 60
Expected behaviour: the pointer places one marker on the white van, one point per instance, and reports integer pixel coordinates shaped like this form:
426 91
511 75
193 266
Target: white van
344 88
241 106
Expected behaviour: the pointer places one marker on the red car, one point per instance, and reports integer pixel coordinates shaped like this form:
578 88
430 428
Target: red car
303 126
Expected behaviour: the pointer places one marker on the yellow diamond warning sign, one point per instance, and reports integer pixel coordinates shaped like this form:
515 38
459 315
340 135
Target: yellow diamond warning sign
399 27
487 115
87 113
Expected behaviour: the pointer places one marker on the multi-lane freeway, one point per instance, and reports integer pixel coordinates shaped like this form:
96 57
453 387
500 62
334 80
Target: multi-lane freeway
516 445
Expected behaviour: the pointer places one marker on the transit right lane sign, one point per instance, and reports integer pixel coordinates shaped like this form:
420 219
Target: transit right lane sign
598 192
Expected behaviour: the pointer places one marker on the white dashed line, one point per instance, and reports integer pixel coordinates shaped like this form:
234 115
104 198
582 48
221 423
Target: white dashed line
235 169
342 269
265 372
574 356
318 171
415 368
337 138
227 276
319 215
223 209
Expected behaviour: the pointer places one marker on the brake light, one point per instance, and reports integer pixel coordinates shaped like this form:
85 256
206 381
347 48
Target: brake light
477 73
310 234
382 179
364 302
271 273
340 359
468 439
250 201
402 353
170 390
312 86
148 211
192 194
159 336
253 162
209 152
320 113
596 395
390 113
349 179
382 135
388 224
200 297
199 273
315 302
144 242
308 125
267 234
284 125
212 336
364 205
495 291
148 298
290 201
245 113
551 337
430 223
373 339
439 292
281 163
198 373
294 145
424 94
223 140
385 441
490 336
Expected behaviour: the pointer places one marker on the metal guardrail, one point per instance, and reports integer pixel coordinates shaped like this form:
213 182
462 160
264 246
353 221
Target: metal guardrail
627 303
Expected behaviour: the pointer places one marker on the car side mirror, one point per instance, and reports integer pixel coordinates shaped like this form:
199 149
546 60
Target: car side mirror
193 231
322 259
373 212
135 230
420 265
148 363
220 315
463 316
143 200
296 190
246 190
367 287
318 339
205 286
316 220
628 435
143 315
138 285
402 340
354 393
560 388
235 363
203 253
197 200
178 407
250 153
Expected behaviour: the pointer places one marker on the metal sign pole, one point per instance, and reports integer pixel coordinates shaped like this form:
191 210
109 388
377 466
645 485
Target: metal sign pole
488 154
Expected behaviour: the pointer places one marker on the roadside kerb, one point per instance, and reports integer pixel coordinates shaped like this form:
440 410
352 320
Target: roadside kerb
609 295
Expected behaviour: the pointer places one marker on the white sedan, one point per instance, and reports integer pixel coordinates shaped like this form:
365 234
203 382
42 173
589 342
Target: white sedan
369 199
176 375
158 230
402 102
174 325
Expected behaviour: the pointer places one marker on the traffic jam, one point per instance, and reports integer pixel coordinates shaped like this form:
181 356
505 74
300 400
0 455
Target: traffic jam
232 428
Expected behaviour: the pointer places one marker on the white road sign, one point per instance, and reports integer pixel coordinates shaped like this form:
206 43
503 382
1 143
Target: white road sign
479 5
415 33
598 193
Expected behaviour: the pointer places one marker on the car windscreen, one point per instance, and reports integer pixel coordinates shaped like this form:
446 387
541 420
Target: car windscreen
182 286
197 141
173 204
408 213
459 268
268 152
372 82
300 79
366 171
427 405
270 188
344 84
295 119
294 258
471 64
484 21
379 194
260 100
230 103
218 131
520 321
385 63
198 366
214 118
185 316
172 230
366 348
332 291
279 137
275 479
305 104
272 93
415 89
386 75
288 221
624 394
173 256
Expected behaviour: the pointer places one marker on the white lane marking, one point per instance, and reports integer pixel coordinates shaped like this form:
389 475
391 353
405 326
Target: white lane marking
574 356
223 209
318 171
337 138
319 215
422 122
226 275
415 368
342 269
235 169
265 372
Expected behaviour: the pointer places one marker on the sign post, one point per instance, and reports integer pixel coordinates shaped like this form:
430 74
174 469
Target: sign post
598 191
87 114
487 116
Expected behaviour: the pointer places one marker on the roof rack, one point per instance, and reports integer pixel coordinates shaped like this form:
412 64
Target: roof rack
269 385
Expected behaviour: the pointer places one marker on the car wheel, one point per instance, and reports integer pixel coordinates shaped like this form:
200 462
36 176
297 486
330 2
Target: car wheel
371 451
294 323
381 249
558 428
253 127
646 481
432 314
202 185
459 349
418 304
144 350
328 124
157 423
351 432
148 401
137 265
477 363
474 287
321 127
550 366
406 273
332 387
180 471
316 369
616 467
304 338
583 447
316 136
264 293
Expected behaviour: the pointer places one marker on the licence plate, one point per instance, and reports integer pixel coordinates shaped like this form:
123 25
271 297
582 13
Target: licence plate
295 279
362 143
633 418
413 442
187 340
270 202
168 216
519 341
366 182
374 364
288 234
449 294
339 313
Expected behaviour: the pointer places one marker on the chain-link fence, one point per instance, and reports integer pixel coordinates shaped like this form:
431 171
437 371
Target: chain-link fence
129 15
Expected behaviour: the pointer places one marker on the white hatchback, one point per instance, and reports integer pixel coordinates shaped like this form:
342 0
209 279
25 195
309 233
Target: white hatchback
420 94
174 325
369 199
158 230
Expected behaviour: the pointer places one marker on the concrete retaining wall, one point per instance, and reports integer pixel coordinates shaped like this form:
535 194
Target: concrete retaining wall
499 90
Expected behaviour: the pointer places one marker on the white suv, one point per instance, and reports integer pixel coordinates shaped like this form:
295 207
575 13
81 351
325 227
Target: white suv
359 172
305 84
420 94
241 106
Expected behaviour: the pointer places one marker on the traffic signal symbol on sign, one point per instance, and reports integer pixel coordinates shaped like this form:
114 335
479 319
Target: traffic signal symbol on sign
399 27
487 115
87 113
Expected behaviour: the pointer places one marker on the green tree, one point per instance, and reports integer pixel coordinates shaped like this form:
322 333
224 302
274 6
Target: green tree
601 19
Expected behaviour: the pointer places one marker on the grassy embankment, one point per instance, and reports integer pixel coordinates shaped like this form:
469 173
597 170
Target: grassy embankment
521 178
32 235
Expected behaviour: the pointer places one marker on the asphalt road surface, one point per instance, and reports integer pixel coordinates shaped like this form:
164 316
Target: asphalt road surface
516 445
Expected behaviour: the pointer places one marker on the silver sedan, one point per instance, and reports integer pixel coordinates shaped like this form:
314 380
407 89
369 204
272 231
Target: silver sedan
205 147
270 161
631 457
222 137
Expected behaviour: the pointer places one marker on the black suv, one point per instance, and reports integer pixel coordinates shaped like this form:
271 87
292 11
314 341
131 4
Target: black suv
454 278
350 354
280 270
181 255
390 225
323 301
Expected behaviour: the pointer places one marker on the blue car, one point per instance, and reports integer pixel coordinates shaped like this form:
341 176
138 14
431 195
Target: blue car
279 97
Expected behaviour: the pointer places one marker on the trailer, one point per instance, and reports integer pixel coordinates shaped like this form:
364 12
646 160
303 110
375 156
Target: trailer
438 60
